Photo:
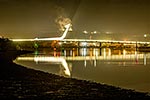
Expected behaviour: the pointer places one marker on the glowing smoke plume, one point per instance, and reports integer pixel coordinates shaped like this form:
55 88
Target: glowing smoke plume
65 11
62 18
62 21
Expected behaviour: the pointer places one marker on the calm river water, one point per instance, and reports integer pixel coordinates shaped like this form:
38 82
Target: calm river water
123 68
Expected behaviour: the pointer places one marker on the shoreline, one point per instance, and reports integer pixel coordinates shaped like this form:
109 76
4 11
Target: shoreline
19 82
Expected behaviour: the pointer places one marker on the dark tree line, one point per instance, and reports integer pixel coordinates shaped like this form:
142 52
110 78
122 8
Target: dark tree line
6 44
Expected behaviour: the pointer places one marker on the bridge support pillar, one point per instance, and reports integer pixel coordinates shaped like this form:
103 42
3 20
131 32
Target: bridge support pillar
136 46
78 44
100 48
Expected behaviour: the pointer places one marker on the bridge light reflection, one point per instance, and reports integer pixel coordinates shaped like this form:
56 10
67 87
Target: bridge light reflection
145 59
59 60
104 52
95 52
109 52
124 52
84 52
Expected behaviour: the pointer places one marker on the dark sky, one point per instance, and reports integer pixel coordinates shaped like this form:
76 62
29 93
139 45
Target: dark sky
36 18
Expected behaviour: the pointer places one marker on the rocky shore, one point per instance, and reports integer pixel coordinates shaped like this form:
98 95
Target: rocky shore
18 82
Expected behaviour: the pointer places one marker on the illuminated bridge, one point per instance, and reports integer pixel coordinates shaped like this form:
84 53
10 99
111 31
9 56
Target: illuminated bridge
62 39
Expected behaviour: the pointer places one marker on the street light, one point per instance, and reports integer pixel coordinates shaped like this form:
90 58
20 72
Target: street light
145 35
85 32
90 33
95 32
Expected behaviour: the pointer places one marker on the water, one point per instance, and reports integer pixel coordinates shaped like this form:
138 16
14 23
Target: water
123 68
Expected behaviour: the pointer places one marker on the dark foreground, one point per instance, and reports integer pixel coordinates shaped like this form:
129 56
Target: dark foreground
18 82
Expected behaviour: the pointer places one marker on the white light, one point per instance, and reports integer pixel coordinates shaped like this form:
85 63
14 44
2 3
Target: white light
84 52
145 35
60 43
70 29
95 32
36 38
85 32
22 39
84 43
94 44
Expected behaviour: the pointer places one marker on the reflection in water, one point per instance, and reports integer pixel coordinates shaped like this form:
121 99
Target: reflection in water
88 54
144 58
85 63
95 62
110 66
104 53
136 57
109 52
59 60
54 60
84 52
124 52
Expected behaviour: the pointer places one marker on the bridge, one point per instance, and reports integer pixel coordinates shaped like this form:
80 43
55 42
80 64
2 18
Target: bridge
62 39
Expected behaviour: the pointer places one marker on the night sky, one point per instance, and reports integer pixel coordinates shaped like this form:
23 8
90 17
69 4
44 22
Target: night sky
37 18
